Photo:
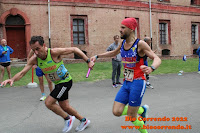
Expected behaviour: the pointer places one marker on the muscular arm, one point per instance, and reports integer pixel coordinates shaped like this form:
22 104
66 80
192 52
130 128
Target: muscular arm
19 75
144 49
110 53
107 54
30 54
65 51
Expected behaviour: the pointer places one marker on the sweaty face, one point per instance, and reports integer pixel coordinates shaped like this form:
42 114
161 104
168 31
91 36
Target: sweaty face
39 50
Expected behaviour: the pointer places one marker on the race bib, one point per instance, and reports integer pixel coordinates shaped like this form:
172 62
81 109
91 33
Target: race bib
61 74
53 76
128 74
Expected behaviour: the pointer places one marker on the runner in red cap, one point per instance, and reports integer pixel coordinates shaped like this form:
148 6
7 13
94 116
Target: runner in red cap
132 49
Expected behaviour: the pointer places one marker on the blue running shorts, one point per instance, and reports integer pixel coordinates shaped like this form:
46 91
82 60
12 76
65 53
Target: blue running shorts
39 72
131 92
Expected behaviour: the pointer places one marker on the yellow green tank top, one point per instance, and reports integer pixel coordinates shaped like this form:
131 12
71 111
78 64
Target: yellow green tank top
56 72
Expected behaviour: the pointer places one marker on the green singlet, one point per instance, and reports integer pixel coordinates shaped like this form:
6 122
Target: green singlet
56 72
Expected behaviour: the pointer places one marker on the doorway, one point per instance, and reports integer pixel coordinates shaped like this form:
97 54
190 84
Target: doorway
15 32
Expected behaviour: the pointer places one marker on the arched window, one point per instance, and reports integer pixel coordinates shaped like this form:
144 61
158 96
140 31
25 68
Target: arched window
14 20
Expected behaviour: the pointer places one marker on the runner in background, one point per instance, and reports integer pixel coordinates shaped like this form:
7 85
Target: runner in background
148 41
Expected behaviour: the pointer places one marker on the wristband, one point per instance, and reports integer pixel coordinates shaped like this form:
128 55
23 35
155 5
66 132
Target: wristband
88 60
96 56
153 68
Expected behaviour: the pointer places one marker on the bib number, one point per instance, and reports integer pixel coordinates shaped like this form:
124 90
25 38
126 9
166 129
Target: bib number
60 74
53 76
128 74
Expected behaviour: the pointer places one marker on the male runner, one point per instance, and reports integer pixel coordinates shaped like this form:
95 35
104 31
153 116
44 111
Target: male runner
40 75
51 63
132 50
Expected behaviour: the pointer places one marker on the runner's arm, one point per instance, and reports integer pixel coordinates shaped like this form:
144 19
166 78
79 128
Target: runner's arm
144 49
19 75
107 54
30 54
70 50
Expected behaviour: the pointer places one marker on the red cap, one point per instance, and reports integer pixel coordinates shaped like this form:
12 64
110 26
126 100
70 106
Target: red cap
131 23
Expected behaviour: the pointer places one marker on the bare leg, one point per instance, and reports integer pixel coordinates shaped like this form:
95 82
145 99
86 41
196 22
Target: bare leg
9 71
51 104
41 84
132 111
118 108
50 84
2 73
69 109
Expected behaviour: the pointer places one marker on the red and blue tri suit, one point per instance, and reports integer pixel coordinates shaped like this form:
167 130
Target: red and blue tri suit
134 85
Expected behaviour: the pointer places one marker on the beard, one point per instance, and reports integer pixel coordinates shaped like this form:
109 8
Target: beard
124 36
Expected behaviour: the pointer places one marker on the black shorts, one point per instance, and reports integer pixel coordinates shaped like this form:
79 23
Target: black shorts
5 64
60 91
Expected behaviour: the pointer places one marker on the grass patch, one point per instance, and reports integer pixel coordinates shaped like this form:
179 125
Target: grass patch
174 66
103 70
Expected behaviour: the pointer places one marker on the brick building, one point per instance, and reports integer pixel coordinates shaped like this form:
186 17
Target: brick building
91 24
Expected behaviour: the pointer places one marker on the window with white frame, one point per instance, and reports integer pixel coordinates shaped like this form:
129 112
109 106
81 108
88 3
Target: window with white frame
194 34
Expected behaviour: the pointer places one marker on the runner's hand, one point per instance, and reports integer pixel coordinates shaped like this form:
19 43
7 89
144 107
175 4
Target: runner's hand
34 66
91 64
93 58
147 70
10 81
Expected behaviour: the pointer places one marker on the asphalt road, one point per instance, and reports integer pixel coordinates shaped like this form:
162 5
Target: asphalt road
174 97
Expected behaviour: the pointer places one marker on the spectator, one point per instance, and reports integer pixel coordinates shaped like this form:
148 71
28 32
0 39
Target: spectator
5 52
116 62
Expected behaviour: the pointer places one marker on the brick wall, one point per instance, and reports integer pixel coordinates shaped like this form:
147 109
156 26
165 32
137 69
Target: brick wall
104 19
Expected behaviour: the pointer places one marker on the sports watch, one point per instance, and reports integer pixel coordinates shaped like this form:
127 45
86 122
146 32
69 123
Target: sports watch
88 60
153 68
